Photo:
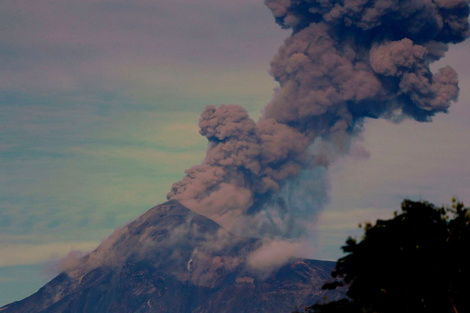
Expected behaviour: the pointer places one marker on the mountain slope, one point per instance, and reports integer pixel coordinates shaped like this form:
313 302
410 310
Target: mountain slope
173 260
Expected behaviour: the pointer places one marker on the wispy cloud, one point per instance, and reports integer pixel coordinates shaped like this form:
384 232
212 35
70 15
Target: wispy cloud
25 254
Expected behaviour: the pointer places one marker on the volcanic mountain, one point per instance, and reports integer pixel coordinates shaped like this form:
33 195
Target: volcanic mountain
172 259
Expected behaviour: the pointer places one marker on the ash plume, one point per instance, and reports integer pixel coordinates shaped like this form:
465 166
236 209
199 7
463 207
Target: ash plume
346 60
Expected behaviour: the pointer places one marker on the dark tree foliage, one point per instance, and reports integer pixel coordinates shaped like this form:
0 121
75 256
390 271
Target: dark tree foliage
418 261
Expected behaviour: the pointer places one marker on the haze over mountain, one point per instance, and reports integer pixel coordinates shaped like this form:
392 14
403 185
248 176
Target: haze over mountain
174 260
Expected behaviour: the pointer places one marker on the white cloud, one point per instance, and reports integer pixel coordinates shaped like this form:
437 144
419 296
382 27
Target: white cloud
26 254
275 253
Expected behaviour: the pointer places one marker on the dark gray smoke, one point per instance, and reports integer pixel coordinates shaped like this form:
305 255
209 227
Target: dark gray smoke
345 61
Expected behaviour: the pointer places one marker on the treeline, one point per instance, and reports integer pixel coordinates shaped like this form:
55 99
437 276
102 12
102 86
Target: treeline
418 261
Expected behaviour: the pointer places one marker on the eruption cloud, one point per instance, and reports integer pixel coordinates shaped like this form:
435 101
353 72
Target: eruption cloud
345 61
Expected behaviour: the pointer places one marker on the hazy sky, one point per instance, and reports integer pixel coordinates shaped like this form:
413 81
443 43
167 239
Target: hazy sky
99 104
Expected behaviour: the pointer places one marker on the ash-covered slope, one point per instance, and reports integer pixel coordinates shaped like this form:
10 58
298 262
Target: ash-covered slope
173 260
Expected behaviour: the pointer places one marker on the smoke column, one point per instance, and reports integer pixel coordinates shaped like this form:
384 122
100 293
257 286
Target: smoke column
345 61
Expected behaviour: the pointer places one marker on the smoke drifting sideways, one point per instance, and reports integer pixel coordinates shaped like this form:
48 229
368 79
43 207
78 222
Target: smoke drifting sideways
346 60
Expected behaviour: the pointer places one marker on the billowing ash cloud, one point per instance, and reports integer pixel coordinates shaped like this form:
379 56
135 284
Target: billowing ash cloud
345 61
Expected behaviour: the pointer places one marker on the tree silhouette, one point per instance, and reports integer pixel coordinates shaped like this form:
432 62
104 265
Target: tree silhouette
418 261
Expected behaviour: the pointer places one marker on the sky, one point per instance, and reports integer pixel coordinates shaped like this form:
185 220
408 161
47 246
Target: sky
99 105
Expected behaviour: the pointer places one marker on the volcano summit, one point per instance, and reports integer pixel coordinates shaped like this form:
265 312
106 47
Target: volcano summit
171 259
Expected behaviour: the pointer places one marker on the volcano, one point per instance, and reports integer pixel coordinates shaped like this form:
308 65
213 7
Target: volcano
172 259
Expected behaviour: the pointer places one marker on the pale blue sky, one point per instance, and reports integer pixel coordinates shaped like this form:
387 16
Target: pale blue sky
99 103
